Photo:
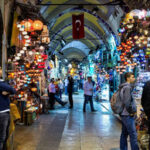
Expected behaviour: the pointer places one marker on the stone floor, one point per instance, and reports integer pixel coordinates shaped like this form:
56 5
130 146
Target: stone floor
64 129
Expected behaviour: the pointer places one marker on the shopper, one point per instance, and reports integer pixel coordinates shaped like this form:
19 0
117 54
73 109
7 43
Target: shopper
145 101
52 92
66 86
128 114
61 87
88 93
70 91
57 94
5 91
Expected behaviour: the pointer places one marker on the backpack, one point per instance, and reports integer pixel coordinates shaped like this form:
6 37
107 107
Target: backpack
116 102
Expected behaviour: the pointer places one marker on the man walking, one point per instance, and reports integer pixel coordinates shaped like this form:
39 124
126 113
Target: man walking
128 114
5 90
70 91
88 93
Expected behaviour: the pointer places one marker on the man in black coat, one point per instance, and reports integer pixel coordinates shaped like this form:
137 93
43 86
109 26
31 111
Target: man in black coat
70 91
145 101
5 90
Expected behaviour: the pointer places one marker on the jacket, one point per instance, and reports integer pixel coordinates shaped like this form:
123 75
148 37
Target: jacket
128 101
70 86
4 99
145 100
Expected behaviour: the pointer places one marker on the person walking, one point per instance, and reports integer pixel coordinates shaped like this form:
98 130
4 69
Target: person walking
61 87
52 91
128 114
70 91
88 93
5 91
66 86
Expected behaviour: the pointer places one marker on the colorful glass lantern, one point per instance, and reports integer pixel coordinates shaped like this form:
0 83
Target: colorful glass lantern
37 25
28 25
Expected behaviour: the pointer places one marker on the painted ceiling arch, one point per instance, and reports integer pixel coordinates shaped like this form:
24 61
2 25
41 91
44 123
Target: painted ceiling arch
73 53
88 42
59 20
103 10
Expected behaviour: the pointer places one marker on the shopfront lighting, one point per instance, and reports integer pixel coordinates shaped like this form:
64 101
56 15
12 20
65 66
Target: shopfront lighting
17 58
25 48
19 54
146 32
18 25
129 26
21 29
136 37
28 25
144 42
37 25
22 52
30 53
24 33
42 48
26 44
26 36
28 41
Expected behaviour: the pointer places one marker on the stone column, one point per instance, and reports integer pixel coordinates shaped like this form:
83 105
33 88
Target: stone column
6 7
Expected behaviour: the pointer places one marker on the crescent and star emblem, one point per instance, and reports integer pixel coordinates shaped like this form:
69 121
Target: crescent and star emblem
78 24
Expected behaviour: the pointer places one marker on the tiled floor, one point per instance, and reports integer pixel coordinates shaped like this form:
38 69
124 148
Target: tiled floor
65 129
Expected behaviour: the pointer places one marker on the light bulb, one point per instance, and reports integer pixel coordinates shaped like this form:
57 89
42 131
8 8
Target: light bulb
18 25
24 48
30 53
26 44
18 54
26 36
24 33
22 51
21 29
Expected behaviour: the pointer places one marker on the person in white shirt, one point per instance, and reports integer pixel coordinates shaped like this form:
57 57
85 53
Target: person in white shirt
66 86
88 93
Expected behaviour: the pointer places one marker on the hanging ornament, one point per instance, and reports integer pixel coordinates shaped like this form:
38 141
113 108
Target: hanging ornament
37 25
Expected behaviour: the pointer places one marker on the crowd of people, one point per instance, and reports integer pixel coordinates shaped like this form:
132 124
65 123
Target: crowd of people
57 87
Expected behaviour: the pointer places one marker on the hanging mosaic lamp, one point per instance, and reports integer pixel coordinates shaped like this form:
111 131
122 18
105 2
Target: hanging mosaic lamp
37 25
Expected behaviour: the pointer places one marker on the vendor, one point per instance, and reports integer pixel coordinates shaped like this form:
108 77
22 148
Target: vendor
5 90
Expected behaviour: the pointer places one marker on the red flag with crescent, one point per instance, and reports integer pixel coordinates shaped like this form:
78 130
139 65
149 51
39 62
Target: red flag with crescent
78 26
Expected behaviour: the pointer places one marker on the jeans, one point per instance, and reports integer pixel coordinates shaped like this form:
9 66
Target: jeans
86 99
4 129
52 100
70 99
58 99
60 93
66 90
128 128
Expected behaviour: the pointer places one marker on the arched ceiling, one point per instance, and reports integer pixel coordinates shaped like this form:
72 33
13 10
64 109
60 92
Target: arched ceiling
59 20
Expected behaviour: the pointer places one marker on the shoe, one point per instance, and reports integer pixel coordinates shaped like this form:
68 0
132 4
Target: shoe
84 111
94 110
70 107
64 103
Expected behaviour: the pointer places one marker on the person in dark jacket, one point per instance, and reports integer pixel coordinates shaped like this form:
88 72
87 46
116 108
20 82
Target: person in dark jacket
5 91
145 102
70 91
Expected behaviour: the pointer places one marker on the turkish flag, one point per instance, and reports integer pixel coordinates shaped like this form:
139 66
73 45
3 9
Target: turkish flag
78 26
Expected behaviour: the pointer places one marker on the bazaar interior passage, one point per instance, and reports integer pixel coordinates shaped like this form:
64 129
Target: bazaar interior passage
66 42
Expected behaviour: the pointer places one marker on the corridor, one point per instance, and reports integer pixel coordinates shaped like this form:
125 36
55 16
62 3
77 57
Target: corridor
64 129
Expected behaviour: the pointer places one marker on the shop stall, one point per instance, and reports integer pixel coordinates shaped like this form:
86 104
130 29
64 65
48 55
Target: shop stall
27 67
